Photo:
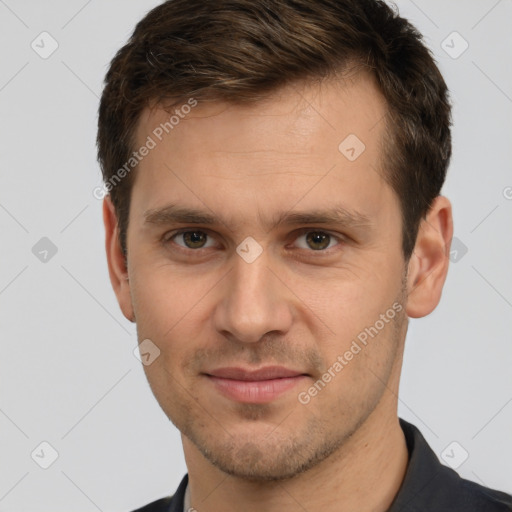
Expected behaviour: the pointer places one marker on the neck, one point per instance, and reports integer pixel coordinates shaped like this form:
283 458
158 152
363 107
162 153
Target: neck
364 474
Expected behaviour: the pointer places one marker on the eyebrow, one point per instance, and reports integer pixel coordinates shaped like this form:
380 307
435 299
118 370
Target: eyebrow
339 215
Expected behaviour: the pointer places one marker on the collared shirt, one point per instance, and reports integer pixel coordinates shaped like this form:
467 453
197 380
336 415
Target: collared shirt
428 486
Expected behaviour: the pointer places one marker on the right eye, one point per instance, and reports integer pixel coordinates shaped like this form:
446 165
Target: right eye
190 239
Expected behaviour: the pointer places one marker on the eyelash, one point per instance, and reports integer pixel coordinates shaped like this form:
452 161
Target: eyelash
168 237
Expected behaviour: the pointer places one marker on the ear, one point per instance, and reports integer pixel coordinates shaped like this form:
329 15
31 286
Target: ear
429 262
117 268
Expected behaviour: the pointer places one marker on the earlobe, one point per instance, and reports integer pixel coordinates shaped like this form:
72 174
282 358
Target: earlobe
117 268
428 266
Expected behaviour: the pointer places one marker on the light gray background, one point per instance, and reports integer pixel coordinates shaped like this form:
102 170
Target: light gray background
68 375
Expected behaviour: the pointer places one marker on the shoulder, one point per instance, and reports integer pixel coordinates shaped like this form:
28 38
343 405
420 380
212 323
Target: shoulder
161 505
451 490
485 498
172 503
429 485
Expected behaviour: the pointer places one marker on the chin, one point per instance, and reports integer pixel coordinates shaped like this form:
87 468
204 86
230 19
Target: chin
274 458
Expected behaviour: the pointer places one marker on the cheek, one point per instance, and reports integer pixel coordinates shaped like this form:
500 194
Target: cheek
346 306
172 310
163 297
358 368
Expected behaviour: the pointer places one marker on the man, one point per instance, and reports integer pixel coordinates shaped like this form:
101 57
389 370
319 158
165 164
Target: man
274 218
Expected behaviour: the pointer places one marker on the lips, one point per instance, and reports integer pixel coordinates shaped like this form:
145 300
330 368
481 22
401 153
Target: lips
254 386
268 373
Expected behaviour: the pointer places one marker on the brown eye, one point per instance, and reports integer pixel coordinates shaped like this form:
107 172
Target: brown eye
194 239
316 240
190 239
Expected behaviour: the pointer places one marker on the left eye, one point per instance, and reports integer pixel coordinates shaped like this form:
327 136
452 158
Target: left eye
316 240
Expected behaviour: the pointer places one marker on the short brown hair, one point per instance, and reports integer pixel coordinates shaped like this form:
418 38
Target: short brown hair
239 50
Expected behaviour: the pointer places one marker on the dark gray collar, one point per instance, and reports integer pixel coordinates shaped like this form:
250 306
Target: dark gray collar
428 486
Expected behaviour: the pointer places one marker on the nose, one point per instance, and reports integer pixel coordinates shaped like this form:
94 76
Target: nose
253 302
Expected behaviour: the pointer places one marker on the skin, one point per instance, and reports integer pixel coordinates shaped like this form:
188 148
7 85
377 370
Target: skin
296 305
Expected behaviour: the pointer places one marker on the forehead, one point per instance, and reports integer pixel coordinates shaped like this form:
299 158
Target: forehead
303 137
334 106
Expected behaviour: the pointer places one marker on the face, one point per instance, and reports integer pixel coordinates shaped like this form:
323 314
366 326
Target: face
264 262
